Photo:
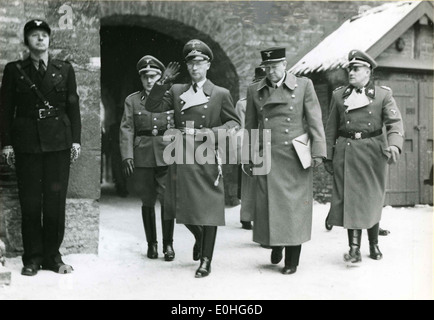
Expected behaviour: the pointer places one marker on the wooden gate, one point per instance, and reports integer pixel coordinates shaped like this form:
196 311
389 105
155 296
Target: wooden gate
425 129
405 179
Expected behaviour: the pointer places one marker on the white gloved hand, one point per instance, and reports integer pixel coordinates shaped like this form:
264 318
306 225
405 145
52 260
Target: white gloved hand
75 152
9 156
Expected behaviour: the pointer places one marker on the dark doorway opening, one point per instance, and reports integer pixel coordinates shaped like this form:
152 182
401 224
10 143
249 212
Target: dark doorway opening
124 40
121 49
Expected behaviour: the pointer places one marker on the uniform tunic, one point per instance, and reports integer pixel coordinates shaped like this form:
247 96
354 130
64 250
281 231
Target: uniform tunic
137 142
191 196
360 166
42 150
283 214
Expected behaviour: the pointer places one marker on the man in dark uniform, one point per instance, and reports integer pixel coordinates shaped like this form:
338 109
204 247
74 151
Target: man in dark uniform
40 135
194 193
142 146
358 151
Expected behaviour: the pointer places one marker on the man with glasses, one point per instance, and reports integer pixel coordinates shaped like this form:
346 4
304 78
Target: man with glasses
358 151
142 145
285 107
194 191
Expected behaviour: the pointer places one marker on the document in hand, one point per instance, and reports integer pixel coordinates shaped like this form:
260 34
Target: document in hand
302 147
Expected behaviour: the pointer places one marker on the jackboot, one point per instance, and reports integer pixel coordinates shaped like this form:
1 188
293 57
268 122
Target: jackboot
374 250
354 241
197 232
208 243
292 259
167 226
276 254
148 216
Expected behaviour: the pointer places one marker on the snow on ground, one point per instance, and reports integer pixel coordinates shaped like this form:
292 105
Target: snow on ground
240 269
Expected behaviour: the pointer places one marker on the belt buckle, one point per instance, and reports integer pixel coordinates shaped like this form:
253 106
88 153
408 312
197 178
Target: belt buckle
41 114
154 132
190 131
357 135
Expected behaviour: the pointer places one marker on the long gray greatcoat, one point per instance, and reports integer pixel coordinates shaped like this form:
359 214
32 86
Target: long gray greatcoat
284 196
360 166
191 196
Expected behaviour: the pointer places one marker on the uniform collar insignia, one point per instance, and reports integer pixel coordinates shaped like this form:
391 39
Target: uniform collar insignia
347 91
370 90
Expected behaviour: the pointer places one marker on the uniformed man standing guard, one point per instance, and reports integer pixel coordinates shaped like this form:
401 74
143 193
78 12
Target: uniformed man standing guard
358 152
142 146
194 192
286 107
40 135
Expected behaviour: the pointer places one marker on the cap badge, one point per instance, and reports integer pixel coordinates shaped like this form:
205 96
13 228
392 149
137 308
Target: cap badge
371 91
268 53
148 61
194 42
38 22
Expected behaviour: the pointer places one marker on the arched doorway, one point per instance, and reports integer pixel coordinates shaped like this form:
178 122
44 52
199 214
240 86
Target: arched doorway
124 40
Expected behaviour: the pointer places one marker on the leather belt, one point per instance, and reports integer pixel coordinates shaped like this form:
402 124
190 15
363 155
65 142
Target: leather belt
48 113
153 132
41 113
359 135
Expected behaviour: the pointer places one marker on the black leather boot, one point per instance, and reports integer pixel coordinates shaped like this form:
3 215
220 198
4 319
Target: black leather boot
374 250
354 241
204 269
148 216
208 243
276 254
167 226
197 231
292 258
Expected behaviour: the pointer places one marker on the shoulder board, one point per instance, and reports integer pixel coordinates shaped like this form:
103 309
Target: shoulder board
338 88
386 88
60 63
132 94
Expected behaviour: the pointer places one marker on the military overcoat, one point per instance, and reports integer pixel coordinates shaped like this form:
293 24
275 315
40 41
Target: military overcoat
360 165
283 211
191 194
